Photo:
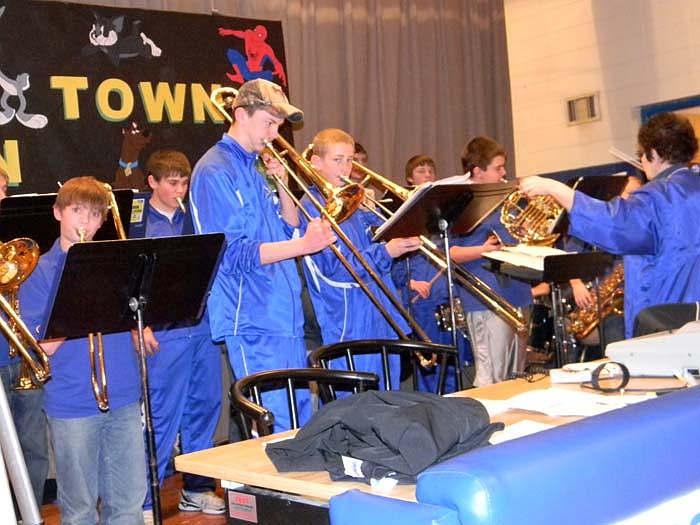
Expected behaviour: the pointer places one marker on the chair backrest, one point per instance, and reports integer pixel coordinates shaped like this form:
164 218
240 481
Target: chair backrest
246 393
664 317
419 353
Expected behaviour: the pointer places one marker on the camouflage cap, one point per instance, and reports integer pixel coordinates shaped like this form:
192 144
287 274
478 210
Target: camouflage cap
268 96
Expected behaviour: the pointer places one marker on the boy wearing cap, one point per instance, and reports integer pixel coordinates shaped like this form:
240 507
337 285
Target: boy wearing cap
255 305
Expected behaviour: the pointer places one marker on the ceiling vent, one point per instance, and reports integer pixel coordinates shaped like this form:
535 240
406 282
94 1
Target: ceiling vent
583 108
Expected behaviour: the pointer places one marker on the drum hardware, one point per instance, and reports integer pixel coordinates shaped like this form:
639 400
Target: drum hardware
443 316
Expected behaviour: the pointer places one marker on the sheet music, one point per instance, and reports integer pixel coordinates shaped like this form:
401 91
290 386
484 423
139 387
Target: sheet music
525 255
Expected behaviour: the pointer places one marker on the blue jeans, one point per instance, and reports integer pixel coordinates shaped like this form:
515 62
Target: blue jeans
100 456
30 422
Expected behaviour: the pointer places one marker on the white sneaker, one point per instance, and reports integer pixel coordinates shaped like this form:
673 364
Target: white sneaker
206 502
148 517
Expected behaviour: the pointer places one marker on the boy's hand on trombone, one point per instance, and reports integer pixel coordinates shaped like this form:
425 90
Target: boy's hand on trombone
318 236
400 245
274 167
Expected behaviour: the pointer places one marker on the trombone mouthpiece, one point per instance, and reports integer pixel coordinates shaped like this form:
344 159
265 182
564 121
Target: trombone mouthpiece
82 233
181 205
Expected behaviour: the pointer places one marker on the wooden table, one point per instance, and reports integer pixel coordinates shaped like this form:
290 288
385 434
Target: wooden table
247 463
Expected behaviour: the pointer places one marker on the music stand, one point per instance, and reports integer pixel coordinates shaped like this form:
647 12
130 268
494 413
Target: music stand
157 281
445 208
557 270
32 216
601 187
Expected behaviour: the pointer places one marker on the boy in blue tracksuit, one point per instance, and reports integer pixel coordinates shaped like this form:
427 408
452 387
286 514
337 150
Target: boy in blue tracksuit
423 287
99 454
343 310
498 349
255 305
184 365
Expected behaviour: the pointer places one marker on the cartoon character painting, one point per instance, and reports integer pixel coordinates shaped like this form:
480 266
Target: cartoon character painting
129 173
107 36
13 102
259 56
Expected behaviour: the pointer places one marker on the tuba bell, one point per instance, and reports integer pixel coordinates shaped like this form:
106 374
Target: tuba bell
18 258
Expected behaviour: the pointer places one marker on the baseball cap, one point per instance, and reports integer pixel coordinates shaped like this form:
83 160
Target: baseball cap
268 96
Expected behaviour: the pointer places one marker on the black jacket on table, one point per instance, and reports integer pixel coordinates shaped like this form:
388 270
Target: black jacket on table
394 434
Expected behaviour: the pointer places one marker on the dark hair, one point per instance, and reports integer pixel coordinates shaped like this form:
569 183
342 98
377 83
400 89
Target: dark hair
414 162
167 162
671 135
359 148
479 152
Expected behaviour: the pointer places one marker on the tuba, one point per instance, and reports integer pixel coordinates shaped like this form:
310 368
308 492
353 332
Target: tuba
18 258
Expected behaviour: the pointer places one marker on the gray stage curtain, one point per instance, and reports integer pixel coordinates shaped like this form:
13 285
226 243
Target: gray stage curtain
402 76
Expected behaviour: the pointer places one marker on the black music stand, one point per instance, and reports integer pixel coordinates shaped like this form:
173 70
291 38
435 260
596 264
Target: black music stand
128 284
445 208
32 216
557 270
601 187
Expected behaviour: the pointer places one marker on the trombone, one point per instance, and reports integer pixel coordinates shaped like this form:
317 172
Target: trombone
95 345
18 258
341 202
467 279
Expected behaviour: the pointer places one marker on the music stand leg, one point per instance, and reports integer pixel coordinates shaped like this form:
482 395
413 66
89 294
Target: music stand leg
443 225
137 307
16 467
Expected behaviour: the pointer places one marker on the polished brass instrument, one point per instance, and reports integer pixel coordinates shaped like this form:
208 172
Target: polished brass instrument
181 205
582 321
531 220
464 277
340 203
99 385
18 258
95 344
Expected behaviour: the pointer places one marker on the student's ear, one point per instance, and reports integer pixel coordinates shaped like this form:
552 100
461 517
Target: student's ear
315 160
152 182
56 213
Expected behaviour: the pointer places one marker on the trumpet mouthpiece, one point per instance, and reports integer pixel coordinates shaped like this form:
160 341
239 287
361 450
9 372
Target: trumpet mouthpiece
181 205
82 233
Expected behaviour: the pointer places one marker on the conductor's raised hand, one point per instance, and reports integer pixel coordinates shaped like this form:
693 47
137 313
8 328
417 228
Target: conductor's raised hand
318 236
535 185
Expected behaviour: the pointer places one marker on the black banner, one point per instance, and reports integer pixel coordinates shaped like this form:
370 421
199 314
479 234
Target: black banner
90 90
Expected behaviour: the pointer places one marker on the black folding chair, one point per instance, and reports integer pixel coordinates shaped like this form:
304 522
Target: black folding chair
417 351
246 393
